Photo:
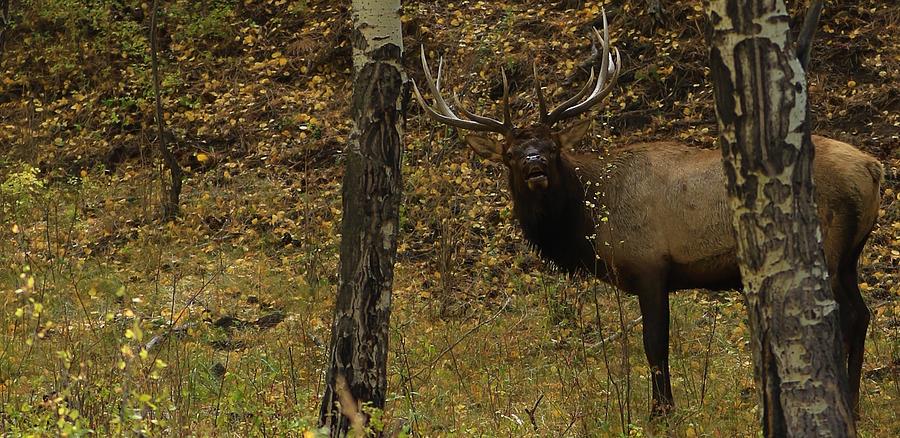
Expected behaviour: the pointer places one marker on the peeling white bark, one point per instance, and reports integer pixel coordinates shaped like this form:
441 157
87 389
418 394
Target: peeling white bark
376 21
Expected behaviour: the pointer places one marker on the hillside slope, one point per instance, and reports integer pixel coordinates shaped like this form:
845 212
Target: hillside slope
214 324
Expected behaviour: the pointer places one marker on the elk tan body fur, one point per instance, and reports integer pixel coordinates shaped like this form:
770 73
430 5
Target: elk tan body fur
669 209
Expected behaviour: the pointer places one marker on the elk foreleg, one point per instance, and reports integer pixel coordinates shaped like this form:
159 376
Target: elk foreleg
654 301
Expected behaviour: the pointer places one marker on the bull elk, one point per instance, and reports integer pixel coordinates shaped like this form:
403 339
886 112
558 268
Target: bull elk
668 224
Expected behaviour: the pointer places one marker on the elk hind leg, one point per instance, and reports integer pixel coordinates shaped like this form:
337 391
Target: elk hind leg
855 318
654 302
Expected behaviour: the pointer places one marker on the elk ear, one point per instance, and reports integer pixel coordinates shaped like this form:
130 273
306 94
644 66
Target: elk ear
486 147
572 135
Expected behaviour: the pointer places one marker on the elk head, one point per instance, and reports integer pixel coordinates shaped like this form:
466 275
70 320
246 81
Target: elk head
532 154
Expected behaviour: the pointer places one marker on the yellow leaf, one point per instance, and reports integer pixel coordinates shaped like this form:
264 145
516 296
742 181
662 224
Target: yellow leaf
201 157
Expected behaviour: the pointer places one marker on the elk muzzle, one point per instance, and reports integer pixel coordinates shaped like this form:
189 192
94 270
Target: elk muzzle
534 170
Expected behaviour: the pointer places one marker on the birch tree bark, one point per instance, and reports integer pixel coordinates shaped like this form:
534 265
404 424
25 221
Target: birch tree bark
761 103
357 373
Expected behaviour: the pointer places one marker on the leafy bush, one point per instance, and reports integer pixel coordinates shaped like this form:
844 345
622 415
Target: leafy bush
20 191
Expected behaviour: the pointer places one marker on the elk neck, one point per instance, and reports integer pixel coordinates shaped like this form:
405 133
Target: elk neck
557 223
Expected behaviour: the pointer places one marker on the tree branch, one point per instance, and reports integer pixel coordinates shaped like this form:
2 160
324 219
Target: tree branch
170 203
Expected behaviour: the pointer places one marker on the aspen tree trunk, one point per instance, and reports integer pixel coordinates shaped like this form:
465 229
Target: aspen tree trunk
761 103
357 373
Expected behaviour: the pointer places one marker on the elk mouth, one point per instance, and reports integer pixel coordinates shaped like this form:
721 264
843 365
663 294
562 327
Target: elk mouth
536 179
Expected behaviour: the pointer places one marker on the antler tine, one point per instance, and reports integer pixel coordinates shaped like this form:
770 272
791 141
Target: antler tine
442 112
507 117
542 104
496 124
487 121
604 64
434 87
601 88
554 116
452 121
599 93
440 70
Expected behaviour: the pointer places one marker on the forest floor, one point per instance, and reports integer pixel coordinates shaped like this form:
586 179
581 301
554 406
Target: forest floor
216 324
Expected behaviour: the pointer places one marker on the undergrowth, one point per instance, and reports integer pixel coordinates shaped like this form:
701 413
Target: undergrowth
215 324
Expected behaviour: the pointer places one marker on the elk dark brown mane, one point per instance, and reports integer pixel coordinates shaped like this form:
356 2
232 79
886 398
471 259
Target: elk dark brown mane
555 220
653 218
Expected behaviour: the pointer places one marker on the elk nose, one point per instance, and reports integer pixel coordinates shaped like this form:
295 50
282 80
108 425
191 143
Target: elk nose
534 158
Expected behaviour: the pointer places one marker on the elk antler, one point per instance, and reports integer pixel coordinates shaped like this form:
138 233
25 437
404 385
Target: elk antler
609 69
442 112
